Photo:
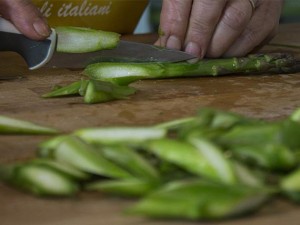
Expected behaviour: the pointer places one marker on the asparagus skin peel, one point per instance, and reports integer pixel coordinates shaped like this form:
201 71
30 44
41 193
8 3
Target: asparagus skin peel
126 73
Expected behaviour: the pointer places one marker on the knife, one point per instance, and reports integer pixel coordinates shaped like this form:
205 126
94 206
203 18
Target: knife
43 53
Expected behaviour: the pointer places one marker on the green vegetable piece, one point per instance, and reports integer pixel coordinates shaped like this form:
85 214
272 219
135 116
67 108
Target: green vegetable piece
42 180
176 124
46 148
15 126
247 177
115 135
251 134
63 168
130 160
290 185
200 158
289 133
126 73
80 40
126 188
200 199
84 157
100 91
222 166
72 89
269 156
295 115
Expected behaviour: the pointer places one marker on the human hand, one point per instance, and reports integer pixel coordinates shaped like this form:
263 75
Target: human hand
218 28
26 18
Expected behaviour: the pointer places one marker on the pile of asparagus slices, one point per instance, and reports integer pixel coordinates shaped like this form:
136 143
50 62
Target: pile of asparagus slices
213 165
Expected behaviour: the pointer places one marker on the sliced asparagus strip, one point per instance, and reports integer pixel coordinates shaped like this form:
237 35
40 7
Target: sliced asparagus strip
39 179
130 160
72 89
114 135
79 39
63 168
100 91
126 73
195 159
84 157
200 200
15 126
127 188
290 185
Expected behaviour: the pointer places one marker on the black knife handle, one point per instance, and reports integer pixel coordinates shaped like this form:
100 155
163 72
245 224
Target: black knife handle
35 53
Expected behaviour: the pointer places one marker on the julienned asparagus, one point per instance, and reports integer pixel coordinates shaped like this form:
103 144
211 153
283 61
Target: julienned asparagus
126 73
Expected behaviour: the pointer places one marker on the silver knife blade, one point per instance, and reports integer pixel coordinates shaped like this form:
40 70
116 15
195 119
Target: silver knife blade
126 51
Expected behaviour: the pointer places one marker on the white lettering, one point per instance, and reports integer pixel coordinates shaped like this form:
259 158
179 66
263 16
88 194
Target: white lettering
46 9
86 8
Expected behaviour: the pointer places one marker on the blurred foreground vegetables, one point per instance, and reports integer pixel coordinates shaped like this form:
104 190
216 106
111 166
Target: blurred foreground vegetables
214 165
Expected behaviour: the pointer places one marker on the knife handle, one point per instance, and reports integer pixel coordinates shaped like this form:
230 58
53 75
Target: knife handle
35 53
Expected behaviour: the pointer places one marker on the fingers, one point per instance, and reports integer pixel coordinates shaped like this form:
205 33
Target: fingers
235 18
26 17
173 23
204 17
261 28
217 28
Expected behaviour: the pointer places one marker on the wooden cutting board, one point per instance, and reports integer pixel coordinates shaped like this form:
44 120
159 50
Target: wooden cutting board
261 96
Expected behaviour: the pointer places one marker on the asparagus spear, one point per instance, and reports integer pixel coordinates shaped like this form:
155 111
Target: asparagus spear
126 73
80 39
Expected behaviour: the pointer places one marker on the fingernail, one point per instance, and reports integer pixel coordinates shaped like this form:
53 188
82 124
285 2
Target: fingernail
41 27
193 49
173 42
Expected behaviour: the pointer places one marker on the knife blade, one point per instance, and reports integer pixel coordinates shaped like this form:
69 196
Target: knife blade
39 54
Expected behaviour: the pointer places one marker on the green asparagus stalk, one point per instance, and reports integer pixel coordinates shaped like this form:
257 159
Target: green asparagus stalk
200 199
125 187
79 39
126 73
15 126
39 179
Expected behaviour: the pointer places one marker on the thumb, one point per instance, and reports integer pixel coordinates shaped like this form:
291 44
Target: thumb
26 17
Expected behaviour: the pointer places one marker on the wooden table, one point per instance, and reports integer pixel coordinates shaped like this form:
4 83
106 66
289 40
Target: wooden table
262 96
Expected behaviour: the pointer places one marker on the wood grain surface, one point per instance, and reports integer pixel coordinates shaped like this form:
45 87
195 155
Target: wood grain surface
262 96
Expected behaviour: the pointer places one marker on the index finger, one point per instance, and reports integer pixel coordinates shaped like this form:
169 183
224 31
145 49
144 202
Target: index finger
204 18
173 23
